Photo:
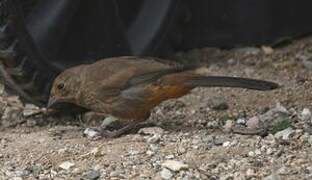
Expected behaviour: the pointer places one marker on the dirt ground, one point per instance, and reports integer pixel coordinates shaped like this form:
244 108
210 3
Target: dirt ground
192 139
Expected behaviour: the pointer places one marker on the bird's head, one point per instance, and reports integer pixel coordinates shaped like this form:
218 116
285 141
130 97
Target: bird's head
66 87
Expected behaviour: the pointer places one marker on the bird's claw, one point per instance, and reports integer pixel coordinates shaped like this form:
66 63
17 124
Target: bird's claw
107 134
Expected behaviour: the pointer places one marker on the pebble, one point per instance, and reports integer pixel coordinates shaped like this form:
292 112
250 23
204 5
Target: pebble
269 151
305 115
166 174
66 165
175 165
307 64
285 134
150 153
219 141
228 126
272 177
270 115
22 173
241 121
30 110
218 103
11 115
154 147
250 173
92 175
116 173
251 154
16 178
310 140
267 50
257 152
1 89
170 156
253 123
91 133
226 144
155 131
154 139
231 61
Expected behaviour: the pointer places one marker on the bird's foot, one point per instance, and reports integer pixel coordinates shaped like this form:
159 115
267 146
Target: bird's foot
104 133
134 126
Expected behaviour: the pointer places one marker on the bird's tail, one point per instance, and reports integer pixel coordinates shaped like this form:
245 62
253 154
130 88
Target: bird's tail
222 81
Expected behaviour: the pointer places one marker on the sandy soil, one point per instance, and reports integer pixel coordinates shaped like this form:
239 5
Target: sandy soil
192 133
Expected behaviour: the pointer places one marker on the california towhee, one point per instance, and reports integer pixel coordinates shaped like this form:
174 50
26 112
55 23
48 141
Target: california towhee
130 87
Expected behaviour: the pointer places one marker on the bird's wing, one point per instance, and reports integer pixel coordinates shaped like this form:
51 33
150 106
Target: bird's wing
152 76
109 77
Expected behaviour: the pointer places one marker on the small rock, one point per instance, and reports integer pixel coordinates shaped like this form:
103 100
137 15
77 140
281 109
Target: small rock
16 178
253 123
269 151
36 169
228 126
218 141
91 133
154 147
30 110
212 124
306 115
1 88
251 154
151 131
257 152
231 61
272 113
170 156
174 165
241 121
285 134
66 165
267 50
154 139
250 173
133 152
92 175
15 101
166 174
307 64
272 177
11 115
22 173
116 173
218 103
226 144
95 151
150 153
310 140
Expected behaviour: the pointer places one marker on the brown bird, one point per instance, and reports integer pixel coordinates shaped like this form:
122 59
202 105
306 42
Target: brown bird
130 87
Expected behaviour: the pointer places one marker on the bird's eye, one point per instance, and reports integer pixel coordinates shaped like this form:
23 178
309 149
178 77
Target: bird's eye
60 86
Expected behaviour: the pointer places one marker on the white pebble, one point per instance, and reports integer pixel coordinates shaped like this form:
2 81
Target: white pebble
66 165
175 165
166 174
305 114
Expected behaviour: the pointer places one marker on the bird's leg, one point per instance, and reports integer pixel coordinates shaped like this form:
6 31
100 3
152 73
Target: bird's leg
128 128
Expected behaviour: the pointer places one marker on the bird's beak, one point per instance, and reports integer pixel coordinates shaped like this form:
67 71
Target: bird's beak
52 100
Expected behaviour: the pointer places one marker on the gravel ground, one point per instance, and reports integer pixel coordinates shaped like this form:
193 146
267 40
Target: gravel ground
195 136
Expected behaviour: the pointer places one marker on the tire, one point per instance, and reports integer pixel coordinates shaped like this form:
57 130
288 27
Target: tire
30 67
